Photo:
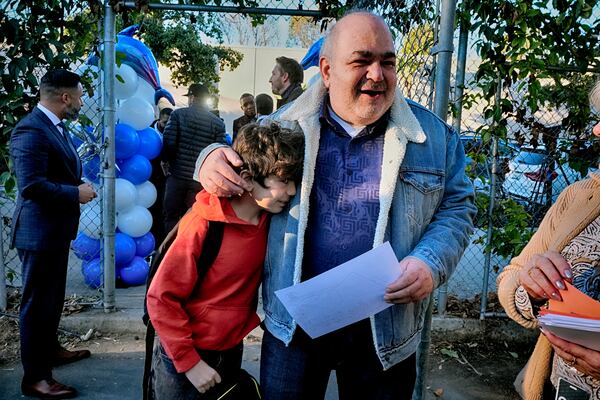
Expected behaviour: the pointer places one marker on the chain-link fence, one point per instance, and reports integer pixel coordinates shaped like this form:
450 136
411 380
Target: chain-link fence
528 174
519 176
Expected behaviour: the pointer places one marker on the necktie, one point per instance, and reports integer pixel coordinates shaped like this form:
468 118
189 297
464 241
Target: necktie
66 137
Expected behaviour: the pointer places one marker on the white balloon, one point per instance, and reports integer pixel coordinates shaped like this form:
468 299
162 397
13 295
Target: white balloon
135 222
146 194
136 112
90 221
125 194
145 91
129 83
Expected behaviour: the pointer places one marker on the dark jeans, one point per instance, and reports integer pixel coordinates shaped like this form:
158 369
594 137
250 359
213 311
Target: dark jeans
180 194
168 384
301 370
44 275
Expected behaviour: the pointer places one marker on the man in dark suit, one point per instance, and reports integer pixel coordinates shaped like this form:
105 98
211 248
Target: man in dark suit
46 219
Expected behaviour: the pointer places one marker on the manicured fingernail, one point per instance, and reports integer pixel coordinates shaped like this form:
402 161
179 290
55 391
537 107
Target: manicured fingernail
568 273
555 296
560 285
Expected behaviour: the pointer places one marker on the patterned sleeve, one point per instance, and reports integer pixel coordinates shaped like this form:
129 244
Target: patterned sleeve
524 305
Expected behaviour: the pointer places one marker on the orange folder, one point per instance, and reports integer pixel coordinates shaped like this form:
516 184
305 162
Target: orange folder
575 303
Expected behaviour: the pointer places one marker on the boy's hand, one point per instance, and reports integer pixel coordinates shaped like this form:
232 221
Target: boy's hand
203 376
217 175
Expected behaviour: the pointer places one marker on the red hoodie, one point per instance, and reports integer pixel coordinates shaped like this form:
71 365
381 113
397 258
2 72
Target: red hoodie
223 310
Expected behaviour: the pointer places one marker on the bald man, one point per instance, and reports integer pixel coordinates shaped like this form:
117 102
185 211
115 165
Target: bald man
377 168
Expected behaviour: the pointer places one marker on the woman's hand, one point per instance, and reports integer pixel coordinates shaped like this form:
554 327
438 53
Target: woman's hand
203 376
585 360
544 275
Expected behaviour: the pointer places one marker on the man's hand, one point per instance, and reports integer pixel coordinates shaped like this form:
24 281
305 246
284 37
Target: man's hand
86 193
217 176
415 282
203 376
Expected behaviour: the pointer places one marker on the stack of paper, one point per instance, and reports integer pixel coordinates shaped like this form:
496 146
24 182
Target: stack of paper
575 319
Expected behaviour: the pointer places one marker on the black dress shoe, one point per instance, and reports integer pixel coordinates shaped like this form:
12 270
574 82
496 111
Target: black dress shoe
48 389
64 356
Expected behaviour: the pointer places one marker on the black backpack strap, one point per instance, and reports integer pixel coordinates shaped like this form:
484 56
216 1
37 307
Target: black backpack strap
210 250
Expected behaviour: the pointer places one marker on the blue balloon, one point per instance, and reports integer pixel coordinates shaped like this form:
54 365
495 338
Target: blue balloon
127 141
124 249
150 143
85 247
136 169
311 58
136 272
93 273
76 141
144 245
91 169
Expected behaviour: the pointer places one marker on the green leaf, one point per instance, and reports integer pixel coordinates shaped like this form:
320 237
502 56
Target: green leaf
449 353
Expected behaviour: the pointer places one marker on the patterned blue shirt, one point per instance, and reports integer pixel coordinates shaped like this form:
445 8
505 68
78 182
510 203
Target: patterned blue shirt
344 202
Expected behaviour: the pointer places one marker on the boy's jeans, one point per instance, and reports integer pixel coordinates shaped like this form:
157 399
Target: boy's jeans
168 384
301 370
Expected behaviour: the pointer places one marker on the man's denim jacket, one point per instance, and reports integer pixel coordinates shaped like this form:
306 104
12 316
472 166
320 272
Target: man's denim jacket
426 211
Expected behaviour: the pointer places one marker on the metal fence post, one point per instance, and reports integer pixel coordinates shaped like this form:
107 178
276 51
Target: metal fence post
442 91
488 240
108 198
459 84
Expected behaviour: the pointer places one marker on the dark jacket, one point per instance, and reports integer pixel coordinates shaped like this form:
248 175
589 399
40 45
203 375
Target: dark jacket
240 122
290 94
188 131
48 174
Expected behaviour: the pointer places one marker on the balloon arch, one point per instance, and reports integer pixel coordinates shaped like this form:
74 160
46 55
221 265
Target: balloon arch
138 90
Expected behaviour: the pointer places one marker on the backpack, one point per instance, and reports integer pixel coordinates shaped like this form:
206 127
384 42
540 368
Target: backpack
210 249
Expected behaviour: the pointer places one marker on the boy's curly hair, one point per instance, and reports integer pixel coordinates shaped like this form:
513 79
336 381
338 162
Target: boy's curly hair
270 150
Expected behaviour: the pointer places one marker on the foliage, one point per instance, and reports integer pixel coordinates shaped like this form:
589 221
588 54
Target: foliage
510 225
545 55
36 35
414 54
178 46
305 31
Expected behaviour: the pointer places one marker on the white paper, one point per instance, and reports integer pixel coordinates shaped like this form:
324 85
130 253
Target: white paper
583 331
343 295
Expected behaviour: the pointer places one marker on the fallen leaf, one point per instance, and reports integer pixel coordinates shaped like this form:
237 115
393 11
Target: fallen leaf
438 392
512 353
449 353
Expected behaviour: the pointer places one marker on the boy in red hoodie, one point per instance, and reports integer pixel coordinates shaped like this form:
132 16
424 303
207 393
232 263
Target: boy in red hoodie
201 331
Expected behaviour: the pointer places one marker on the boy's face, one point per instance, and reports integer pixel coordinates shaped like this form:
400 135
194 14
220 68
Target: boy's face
274 195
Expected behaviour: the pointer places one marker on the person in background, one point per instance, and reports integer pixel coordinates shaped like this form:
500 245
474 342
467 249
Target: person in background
159 179
286 80
188 131
201 331
264 106
46 219
163 117
249 108
355 120
565 248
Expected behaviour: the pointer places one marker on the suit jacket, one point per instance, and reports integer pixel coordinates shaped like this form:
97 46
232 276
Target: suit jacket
48 172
